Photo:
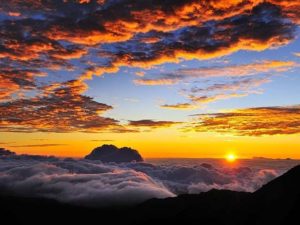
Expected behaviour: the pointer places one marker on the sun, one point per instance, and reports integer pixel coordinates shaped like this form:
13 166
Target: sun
231 157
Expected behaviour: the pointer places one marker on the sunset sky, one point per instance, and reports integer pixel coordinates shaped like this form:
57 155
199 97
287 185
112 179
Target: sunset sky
170 78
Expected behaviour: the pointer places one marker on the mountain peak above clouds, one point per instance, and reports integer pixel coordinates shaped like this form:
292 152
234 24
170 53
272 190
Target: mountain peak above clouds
111 153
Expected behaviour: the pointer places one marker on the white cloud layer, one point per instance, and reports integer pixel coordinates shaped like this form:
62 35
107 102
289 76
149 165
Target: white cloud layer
93 183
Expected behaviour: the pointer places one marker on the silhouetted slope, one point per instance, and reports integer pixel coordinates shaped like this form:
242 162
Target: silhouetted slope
287 184
277 203
213 207
37 211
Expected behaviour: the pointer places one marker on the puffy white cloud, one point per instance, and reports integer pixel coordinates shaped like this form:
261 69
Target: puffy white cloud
248 184
78 182
197 178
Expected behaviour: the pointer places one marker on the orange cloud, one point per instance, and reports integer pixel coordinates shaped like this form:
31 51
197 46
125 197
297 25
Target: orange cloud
152 123
143 23
251 121
66 54
16 14
141 17
179 106
60 108
140 73
291 9
24 51
16 81
208 99
198 101
249 32
113 34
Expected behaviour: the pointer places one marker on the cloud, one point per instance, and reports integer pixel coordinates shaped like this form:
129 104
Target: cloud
241 84
242 70
37 145
103 140
95 23
78 182
208 99
179 106
194 176
140 73
251 121
48 112
152 123
260 178
93 183
14 81
197 101
218 91
255 31
243 81
140 33
290 8
90 37
154 82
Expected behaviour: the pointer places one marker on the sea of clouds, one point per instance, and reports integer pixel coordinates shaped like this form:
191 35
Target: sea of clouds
93 183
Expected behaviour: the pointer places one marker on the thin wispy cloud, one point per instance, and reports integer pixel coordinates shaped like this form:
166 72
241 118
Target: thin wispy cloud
103 140
242 70
152 123
218 91
37 145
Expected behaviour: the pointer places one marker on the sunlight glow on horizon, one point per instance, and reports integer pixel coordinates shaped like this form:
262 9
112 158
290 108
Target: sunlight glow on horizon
155 144
231 157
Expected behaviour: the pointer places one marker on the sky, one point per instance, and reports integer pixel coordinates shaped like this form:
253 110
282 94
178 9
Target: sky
187 79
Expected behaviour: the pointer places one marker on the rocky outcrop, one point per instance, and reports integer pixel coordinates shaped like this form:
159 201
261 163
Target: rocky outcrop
111 153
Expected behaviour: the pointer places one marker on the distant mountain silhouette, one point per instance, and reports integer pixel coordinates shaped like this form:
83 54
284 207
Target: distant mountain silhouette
110 153
276 203
5 152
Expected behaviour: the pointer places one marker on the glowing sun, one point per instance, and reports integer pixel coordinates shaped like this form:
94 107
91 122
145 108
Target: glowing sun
231 157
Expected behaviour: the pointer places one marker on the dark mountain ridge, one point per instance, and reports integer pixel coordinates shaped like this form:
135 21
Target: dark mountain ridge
276 203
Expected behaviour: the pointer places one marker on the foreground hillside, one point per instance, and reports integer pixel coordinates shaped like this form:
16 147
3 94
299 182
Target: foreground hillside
277 203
